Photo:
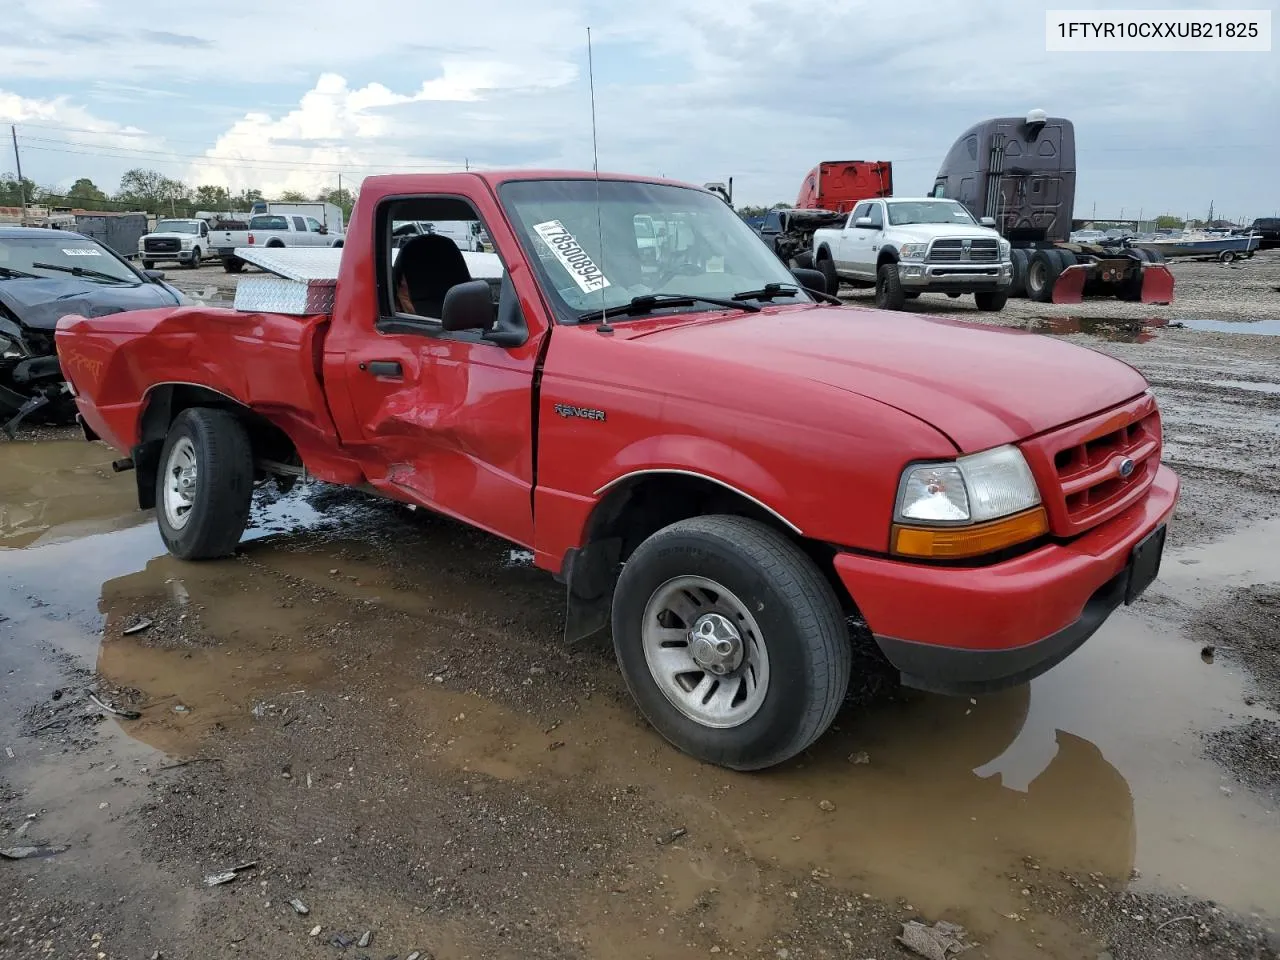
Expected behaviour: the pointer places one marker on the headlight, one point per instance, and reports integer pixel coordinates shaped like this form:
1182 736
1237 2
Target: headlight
11 349
973 505
1005 247
913 251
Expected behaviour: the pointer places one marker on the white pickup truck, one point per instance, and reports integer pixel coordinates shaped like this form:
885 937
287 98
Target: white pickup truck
175 240
272 230
906 246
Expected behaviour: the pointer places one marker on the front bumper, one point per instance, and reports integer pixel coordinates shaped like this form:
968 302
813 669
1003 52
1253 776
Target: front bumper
182 256
949 277
963 630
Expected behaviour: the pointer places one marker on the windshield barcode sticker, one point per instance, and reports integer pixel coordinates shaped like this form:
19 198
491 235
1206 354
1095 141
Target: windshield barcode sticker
82 252
569 252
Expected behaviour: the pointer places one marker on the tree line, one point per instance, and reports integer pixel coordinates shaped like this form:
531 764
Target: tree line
153 192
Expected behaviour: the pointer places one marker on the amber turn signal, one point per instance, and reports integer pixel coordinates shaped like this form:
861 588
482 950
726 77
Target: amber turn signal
956 543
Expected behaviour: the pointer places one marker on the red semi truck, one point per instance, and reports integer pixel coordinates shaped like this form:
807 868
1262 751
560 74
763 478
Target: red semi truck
741 481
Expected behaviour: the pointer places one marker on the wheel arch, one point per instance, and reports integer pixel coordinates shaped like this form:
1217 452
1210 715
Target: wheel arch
637 505
824 253
162 404
886 255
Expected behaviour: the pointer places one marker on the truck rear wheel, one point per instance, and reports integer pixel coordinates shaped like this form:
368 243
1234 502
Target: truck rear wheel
204 484
232 264
889 293
731 641
827 267
1043 268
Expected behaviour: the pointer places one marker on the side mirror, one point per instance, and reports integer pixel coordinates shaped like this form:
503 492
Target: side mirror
468 306
155 276
323 229
863 223
988 221
811 279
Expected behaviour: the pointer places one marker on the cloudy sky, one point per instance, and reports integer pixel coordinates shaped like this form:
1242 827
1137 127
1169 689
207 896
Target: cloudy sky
286 95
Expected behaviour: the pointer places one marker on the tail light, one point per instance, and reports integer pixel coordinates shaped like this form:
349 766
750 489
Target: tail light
251 239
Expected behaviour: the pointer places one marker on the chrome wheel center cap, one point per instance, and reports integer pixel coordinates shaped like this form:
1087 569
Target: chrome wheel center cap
715 644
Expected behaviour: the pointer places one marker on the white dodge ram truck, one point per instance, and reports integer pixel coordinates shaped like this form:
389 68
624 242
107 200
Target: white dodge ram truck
906 247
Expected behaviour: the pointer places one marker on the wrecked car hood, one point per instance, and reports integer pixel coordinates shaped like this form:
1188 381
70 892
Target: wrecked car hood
39 303
982 386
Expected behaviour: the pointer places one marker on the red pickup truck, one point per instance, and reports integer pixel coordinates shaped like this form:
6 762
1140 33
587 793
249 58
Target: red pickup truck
738 478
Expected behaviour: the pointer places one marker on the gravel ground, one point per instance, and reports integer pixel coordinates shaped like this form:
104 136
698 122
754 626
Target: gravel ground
372 706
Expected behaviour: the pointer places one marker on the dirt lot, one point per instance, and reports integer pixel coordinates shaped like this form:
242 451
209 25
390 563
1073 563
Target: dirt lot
374 708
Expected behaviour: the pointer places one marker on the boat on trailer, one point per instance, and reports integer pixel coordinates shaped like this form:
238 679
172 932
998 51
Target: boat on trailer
1224 247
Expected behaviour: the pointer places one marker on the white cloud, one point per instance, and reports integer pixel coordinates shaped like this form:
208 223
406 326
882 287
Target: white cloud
757 89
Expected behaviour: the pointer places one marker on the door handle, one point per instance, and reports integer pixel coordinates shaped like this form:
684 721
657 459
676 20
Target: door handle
384 368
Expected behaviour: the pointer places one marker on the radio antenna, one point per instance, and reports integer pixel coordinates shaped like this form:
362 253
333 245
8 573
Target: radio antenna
603 326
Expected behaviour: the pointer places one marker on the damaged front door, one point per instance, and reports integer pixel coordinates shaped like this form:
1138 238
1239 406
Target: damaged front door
444 417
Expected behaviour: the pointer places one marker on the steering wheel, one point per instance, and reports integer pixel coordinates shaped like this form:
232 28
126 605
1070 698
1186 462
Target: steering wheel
682 269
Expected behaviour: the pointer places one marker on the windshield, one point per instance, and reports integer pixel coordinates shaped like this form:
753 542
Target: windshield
177 226
928 211
639 239
69 252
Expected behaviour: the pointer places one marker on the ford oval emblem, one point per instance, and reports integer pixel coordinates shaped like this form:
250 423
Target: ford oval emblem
1125 467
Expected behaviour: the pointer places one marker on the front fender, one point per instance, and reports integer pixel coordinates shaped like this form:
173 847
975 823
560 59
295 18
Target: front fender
701 457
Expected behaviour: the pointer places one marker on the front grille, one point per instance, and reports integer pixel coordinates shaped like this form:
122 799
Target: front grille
161 245
964 251
1078 468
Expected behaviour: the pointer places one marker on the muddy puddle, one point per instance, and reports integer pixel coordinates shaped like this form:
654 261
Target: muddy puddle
442 648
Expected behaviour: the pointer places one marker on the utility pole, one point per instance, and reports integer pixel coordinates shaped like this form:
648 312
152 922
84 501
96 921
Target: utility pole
466 164
17 161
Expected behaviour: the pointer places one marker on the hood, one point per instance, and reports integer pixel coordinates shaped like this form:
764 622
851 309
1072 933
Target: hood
982 386
39 303
172 234
931 231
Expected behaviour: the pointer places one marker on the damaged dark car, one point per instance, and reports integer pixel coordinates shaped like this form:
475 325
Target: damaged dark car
45 275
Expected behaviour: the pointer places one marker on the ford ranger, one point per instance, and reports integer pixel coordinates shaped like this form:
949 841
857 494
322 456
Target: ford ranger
905 247
740 480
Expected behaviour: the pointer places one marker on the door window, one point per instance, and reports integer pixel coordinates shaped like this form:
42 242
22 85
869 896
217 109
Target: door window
313 224
300 224
419 263
877 216
861 210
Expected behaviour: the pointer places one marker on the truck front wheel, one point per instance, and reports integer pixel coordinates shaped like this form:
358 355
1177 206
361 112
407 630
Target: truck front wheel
889 292
991 301
1042 270
148 264
204 484
731 641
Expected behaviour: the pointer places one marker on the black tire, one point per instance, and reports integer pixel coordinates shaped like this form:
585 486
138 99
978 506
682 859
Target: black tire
219 506
233 265
804 260
1043 267
274 244
827 267
800 625
1019 286
991 301
1154 256
1226 256
338 245
911 294
889 292
148 264
194 262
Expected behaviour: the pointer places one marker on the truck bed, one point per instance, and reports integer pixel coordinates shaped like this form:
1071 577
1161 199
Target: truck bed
266 361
